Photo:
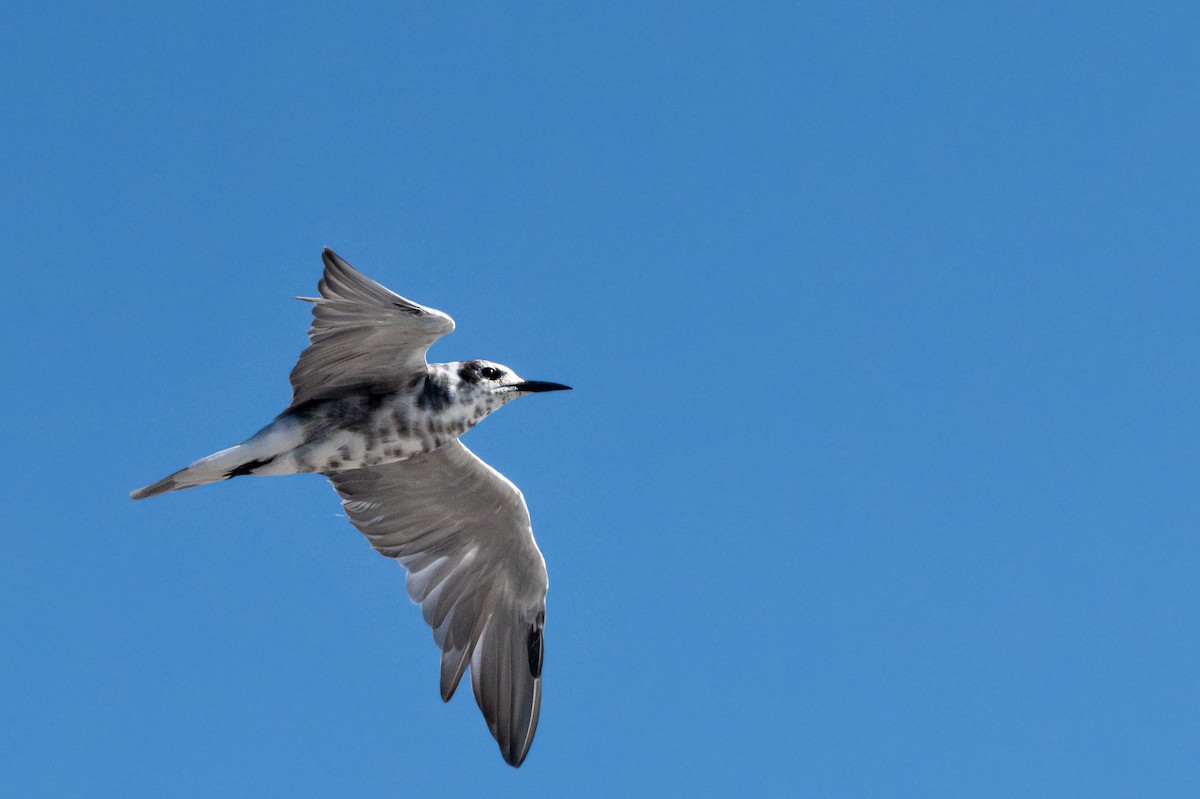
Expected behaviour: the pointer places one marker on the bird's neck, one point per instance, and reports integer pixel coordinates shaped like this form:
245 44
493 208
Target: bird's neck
445 392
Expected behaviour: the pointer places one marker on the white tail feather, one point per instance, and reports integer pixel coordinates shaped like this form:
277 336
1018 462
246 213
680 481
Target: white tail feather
218 466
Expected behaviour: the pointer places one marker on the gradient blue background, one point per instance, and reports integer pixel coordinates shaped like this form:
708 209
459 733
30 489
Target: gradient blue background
880 473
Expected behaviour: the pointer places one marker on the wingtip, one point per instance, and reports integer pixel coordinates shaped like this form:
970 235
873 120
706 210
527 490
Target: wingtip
517 756
331 258
513 757
337 268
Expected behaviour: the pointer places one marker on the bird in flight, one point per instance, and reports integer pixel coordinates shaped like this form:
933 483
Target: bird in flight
383 425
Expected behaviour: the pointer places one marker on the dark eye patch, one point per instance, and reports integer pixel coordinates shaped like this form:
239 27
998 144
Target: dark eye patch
490 372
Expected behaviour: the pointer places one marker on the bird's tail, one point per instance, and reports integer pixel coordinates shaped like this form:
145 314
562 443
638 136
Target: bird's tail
252 456
218 466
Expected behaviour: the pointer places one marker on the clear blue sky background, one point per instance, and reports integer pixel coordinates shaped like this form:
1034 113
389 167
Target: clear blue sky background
880 473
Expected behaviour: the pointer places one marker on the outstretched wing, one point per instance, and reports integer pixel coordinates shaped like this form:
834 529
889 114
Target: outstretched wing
362 335
462 531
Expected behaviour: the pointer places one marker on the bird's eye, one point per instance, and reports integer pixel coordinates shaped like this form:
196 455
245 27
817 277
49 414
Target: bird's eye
490 373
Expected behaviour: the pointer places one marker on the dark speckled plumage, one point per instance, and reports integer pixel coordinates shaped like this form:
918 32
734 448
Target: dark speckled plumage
435 394
382 423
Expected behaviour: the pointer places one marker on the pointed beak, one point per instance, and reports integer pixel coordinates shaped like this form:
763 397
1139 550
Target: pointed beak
539 385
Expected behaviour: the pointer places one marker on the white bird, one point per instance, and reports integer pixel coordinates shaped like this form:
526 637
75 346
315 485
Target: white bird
370 414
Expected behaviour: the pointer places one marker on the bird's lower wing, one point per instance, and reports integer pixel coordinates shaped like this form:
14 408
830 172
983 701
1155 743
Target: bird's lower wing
462 531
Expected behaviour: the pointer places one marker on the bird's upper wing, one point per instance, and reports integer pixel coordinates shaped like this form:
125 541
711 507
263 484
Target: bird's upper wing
462 530
362 335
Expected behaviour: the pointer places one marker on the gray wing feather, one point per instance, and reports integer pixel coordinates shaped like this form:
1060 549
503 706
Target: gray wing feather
462 531
362 334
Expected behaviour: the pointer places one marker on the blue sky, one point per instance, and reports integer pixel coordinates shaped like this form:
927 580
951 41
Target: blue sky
879 477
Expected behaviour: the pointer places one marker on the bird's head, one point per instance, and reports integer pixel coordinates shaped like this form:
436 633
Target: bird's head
494 384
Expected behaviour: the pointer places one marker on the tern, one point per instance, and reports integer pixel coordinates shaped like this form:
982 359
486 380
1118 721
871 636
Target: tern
383 425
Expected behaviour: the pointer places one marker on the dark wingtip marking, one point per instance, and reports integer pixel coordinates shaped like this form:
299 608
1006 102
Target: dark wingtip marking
535 649
404 307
